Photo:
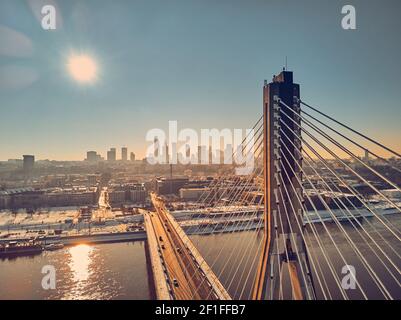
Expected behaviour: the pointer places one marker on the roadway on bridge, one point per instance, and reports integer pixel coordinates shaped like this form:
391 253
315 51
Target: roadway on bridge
181 264
171 260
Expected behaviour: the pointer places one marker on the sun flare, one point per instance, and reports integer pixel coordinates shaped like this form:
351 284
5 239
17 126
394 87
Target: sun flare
82 68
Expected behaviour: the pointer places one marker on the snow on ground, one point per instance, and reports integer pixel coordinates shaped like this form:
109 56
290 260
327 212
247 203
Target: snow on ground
56 215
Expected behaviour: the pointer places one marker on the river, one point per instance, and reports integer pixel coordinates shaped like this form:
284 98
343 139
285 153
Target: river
121 271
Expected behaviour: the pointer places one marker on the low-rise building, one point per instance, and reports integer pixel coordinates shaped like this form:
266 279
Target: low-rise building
138 196
63 199
392 193
4 200
29 198
193 194
117 197
170 185
127 193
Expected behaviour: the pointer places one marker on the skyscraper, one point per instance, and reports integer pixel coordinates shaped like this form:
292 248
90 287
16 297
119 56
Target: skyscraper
204 155
188 151
29 162
156 146
93 156
210 160
199 155
132 156
228 154
167 158
124 154
173 152
111 155
366 157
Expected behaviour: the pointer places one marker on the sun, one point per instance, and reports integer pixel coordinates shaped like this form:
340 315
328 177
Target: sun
82 68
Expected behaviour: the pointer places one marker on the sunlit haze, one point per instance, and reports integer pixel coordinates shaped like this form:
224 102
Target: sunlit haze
82 68
111 72
200 150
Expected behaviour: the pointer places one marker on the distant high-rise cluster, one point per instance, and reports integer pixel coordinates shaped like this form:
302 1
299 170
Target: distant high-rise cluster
169 153
93 156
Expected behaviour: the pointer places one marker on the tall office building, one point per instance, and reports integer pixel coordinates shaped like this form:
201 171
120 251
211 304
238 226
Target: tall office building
211 158
174 155
199 154
156 146
204 155
167 158
366 157
132 156
29 162
124 154
111 155
188 151
228 154
93 156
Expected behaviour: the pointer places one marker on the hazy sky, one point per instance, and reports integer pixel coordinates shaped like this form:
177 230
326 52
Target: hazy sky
201 63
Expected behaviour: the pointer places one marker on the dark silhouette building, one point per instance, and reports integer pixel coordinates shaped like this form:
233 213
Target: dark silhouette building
29 162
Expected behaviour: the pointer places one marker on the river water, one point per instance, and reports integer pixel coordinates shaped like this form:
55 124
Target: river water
121 271
105 271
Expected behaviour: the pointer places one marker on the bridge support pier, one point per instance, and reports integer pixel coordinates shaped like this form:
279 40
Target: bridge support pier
289 259
283 245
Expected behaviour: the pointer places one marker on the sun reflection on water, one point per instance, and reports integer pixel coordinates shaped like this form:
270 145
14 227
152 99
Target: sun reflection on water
89 276
80 262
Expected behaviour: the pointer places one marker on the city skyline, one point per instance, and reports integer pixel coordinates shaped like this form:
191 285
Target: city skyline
200 150
186 62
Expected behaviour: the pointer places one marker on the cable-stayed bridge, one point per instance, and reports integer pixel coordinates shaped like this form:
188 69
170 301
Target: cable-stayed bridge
326 229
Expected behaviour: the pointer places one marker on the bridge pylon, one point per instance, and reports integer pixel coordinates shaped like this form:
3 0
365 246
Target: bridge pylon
284 252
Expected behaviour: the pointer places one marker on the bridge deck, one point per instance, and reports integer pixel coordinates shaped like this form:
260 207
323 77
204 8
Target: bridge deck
183 262
162 287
